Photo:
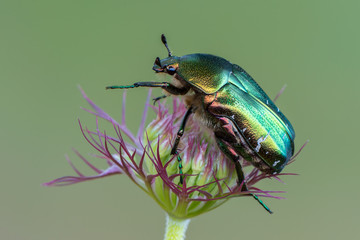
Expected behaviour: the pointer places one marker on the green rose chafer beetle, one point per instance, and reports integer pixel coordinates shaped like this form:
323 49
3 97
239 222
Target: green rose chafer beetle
245 121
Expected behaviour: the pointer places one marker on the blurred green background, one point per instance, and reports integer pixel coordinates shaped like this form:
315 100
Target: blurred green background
48 48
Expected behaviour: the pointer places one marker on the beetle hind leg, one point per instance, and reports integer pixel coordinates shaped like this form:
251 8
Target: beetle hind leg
227 149
235 158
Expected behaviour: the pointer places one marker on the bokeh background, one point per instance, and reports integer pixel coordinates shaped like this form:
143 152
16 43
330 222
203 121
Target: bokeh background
48 48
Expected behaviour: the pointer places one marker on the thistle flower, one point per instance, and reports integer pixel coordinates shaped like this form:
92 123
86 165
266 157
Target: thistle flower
209 177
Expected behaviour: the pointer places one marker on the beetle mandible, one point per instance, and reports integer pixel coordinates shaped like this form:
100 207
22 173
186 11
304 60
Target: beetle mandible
245 121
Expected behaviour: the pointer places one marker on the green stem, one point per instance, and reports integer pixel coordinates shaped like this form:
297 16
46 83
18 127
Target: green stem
175 228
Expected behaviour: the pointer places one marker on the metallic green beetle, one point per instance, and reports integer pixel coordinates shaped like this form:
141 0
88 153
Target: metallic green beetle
245 122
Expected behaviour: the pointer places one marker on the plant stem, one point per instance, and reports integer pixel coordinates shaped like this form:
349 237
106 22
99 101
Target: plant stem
175 228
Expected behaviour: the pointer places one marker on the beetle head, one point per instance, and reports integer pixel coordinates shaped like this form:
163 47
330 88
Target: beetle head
167 65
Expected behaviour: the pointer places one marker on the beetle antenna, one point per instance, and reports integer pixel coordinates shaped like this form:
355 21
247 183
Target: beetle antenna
163 39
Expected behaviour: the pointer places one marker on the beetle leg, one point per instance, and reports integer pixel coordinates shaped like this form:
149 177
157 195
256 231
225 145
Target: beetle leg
226 138
170 88
230 153
158 98
235 158
180 133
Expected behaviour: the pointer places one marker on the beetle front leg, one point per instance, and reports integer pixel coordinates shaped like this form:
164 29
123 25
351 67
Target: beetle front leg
180 133
168 87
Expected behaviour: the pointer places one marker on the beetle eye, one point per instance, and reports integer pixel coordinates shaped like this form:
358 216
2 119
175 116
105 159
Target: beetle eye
170 70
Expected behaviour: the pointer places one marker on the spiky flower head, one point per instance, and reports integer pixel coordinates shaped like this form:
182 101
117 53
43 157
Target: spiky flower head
209 177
